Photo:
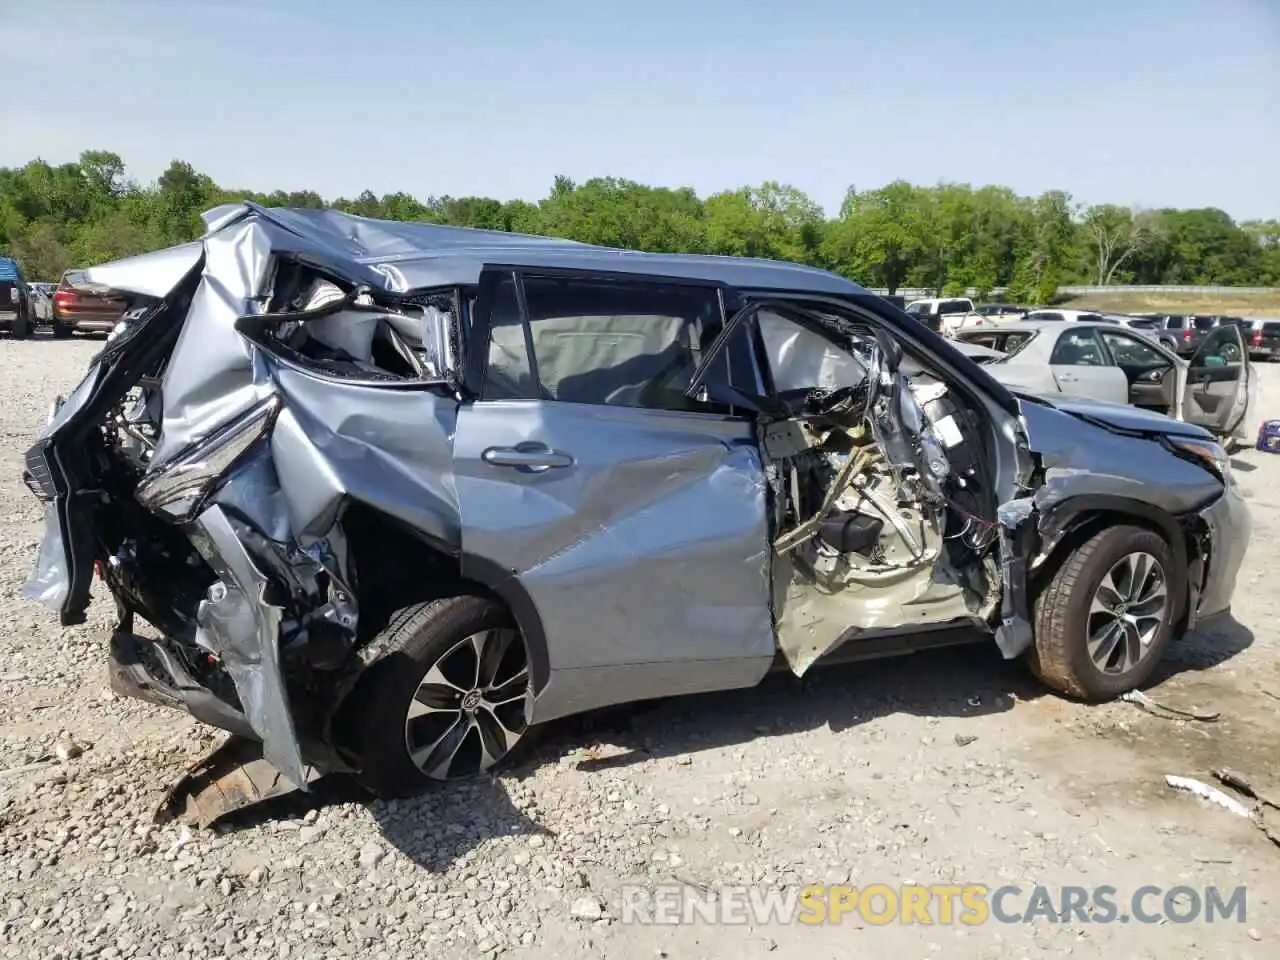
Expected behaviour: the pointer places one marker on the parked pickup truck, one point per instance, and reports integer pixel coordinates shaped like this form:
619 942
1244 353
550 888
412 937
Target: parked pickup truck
946 315
15 301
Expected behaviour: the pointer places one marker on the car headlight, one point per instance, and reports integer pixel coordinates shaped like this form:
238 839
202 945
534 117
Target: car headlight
1208 452
117 330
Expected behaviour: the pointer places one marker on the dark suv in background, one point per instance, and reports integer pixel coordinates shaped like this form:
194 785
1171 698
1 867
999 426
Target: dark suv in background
16 314
1182 332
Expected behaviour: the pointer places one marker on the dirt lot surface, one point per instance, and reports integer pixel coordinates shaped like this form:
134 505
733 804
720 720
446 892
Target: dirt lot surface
949 767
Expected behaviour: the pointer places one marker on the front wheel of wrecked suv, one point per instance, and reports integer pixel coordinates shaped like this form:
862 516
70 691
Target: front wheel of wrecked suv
1104 619
448 703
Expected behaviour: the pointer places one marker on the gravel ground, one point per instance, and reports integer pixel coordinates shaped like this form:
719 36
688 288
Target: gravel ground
945 767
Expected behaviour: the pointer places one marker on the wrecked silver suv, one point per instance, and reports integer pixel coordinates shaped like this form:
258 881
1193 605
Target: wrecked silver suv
382 496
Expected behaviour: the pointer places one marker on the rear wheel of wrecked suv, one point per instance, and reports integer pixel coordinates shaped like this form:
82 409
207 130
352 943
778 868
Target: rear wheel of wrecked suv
448 703
1106 616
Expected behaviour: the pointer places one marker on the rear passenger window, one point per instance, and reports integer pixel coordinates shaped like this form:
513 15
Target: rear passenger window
1077 348
618 343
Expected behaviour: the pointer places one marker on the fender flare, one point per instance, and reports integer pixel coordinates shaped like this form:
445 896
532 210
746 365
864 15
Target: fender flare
506 585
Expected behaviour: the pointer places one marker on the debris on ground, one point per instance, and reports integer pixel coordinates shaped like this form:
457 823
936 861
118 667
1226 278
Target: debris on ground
964 739
1165 712
1256 814
586 909
1212 794
67 750
1240 784
233 777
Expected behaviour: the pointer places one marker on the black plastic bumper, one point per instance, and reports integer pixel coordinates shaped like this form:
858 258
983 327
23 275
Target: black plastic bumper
146 671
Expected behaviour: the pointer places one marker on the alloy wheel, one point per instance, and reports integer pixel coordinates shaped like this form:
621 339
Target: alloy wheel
1127 612
469 710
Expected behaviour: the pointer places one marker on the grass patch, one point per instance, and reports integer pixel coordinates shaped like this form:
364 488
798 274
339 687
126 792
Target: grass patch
1240 304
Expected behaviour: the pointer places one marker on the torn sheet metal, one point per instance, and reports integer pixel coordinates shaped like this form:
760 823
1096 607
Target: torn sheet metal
390 449
180 487
328 442
210 377
153 274
1018 538
238 624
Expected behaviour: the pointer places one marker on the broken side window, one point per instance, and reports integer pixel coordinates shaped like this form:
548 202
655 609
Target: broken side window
801 359
333 332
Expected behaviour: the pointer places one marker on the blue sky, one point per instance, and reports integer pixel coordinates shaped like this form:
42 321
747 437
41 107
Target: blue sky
1138 102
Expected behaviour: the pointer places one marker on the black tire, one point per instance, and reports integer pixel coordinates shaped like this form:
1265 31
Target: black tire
62 331
421 637
1060 655
20 329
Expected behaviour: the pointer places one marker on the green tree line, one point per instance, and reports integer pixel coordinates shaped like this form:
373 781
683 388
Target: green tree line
947 237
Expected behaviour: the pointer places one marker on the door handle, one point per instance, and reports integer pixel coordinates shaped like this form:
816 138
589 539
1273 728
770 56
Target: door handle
1068 377
528 457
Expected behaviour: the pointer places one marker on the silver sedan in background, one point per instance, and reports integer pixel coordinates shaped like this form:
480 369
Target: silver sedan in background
1112 362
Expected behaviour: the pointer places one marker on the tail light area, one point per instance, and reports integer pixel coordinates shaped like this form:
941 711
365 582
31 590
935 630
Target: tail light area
65 298
1257 338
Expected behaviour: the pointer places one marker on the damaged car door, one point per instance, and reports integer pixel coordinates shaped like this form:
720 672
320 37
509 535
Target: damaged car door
1219 378
882 507
583 472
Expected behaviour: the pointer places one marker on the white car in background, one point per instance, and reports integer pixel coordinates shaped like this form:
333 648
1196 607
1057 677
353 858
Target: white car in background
1114 363
946 315
1059 315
